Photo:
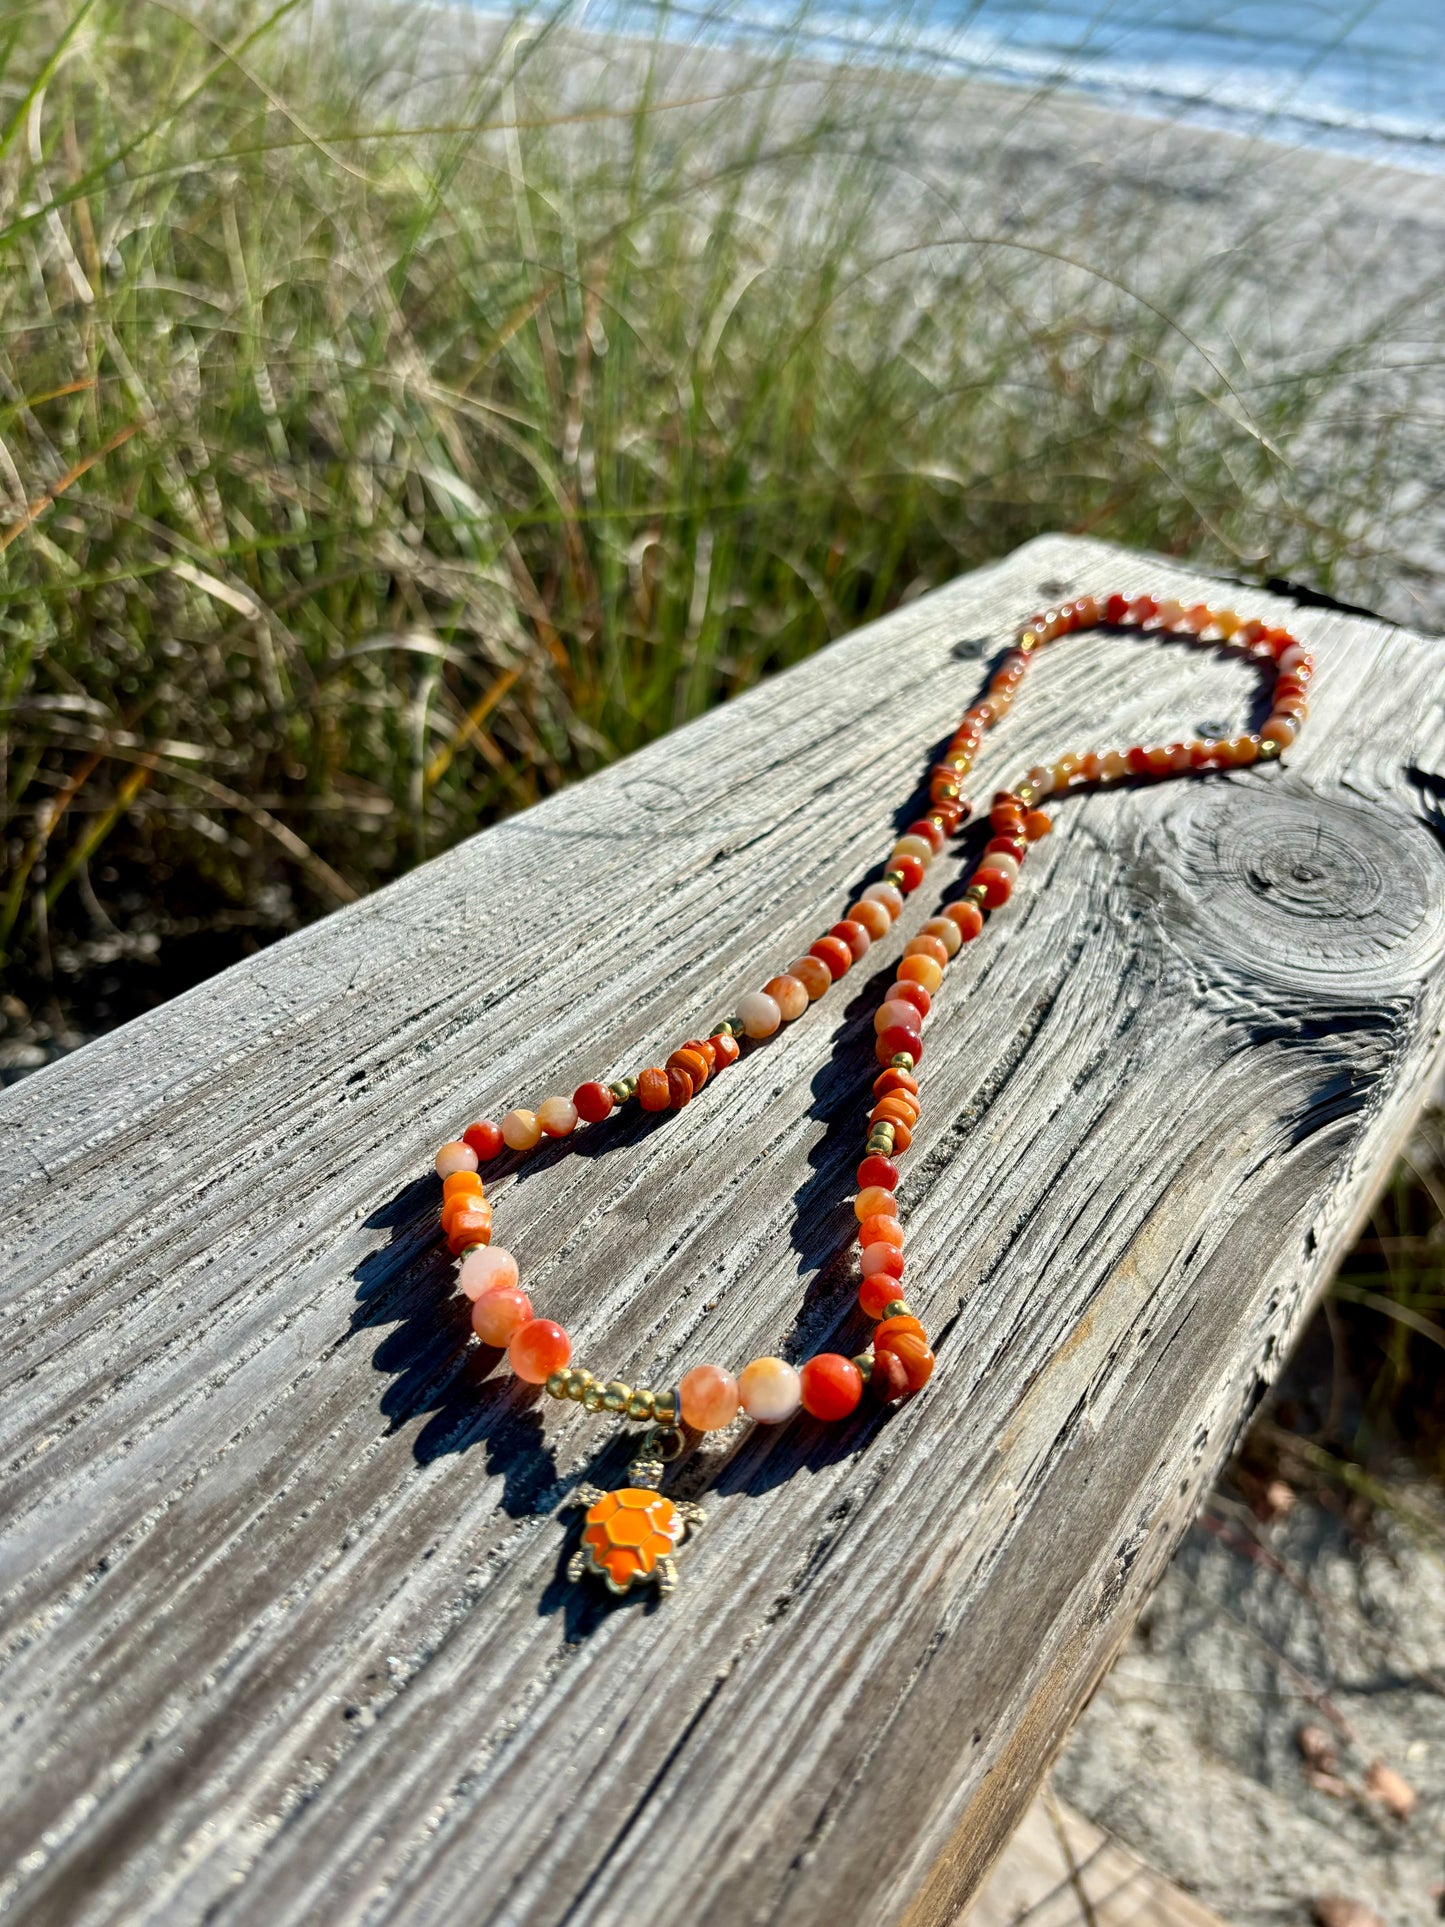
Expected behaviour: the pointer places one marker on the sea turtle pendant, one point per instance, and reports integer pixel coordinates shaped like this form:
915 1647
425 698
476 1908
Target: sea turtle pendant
631 1533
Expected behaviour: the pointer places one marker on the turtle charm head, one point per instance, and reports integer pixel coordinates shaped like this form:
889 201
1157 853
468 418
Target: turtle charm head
630 1534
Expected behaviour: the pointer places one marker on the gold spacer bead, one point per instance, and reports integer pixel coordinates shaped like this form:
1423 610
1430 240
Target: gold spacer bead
1026 794
615 1395
557 1385
902 1062
1030 639
730 1026
578 1381
1268 752
895 877
898 1308
976 893
864 1362
624 1089
666 1406
640 1404
947 793
592 1397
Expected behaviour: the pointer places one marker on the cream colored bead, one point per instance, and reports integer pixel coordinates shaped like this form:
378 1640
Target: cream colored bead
557 1116
888 896
1001 860
760 1013
488 1268
769 1390
1114 764
455 1157
912 846
1042 780
520 1130
946 931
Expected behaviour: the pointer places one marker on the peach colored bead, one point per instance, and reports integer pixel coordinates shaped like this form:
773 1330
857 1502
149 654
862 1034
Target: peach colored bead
520 1130
921 970
895 1012
881 1230
912 846
924 946
1042 780
1001 860
497 1316
790 996
709 1397
536 1349
770 1390
1280 729
1114 764
874 1202
884 893
813 974
882 1257
946 931
759 1013
873 917
557 1116
454 1157
490 1269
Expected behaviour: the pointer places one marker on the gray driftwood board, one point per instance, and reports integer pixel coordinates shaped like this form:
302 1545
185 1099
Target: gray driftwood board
286 1631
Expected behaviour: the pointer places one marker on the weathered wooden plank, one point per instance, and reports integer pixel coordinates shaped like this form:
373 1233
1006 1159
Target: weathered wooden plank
287 1635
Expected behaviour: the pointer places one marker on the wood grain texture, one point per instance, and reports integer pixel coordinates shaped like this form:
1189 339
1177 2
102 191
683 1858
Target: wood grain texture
286 1632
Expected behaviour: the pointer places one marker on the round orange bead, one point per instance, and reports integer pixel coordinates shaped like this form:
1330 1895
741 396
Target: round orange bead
881 1229
500 1313
834 954
813 974
831 1386
709 1398
537 1349
879 1289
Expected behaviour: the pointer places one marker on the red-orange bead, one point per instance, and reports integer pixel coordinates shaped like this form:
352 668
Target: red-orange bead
679 1089
911 1351
726 1049
1037 823
693 1062
997 887
851 932
930 832
831 1386
909 870
881 1289
593 1102
485 1139
968 917
888 1380
833 952
907 992
895 1040
537 1349
1014 846
653 1093
891 1080
878 1170
925 946
472 1204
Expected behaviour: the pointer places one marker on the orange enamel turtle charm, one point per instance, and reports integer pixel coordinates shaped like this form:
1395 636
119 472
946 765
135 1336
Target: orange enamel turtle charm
630 1534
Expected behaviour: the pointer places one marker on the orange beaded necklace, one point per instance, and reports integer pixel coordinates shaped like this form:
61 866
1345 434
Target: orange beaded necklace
630 1534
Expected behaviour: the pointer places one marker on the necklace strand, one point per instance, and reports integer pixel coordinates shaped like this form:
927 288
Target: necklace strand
899 1362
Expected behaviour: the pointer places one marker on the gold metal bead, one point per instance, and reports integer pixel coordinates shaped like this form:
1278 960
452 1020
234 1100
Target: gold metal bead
976 893
902 1062
1026 794
947 793
729 1027
615 1395
557 1385
895 877
1268 752
592 1397
864 1362
642 1404
1029 640
666 1406
898 1308
577 1382
624 1089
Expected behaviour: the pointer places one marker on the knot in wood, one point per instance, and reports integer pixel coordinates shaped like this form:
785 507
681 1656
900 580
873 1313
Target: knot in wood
1328 891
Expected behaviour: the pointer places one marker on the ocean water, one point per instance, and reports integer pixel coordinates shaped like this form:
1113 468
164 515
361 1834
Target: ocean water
1364 76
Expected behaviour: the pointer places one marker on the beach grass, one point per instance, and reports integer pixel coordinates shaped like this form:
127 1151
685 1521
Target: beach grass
393 428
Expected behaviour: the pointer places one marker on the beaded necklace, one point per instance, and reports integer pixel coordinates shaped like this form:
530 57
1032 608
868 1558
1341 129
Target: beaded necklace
630 1534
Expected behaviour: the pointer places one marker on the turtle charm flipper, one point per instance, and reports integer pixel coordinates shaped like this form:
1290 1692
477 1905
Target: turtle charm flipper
631 1533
